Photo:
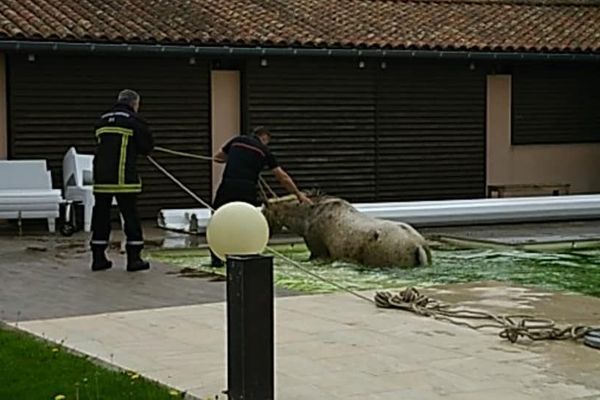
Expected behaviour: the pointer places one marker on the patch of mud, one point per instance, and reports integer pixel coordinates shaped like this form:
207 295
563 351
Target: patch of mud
36 247
195 273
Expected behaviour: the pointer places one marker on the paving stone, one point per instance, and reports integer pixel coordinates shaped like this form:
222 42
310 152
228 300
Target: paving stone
38 285
328 346
342 363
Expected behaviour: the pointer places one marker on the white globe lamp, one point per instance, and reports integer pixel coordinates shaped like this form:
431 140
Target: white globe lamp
237 228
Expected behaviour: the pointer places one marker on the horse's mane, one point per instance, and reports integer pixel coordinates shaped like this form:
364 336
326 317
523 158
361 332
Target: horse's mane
319 198
317 195
314 194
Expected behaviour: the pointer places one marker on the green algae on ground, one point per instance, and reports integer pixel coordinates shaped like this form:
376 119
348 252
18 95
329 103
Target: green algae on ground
568 271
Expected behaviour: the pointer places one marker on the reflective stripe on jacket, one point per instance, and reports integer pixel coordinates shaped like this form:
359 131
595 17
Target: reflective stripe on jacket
121 135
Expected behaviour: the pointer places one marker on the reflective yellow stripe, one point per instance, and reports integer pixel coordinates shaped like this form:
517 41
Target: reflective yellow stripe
128 188
123 159
114 129
115 191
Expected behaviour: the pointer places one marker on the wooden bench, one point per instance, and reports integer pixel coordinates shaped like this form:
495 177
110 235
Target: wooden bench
529 189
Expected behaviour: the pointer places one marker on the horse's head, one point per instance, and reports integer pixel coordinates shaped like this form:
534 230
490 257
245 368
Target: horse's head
288 212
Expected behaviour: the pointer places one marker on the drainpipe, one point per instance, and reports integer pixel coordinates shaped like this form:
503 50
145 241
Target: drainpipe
229 51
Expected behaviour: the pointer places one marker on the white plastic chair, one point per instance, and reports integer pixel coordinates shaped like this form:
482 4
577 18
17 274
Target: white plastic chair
78 175
78 182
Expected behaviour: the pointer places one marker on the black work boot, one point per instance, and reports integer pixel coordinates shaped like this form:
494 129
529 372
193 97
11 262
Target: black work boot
99 260
134 261
215 262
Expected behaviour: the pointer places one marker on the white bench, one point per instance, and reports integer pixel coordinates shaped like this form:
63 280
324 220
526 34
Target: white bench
531 190
26 192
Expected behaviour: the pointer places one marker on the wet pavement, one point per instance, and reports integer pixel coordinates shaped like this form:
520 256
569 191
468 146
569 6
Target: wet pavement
50 277
562 307
172 329
569 359
340 347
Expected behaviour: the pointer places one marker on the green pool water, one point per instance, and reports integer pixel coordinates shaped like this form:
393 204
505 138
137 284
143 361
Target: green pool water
568 271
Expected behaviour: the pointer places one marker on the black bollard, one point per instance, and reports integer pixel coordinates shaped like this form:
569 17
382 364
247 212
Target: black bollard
250 336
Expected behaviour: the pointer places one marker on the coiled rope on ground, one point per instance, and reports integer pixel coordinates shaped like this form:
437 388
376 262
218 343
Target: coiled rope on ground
512 326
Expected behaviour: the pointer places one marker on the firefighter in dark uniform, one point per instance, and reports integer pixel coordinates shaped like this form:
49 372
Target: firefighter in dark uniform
246 158
121 135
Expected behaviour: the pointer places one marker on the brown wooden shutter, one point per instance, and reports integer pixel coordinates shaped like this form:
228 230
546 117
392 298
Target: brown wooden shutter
322 115
430 131
555 104
409 131
56 100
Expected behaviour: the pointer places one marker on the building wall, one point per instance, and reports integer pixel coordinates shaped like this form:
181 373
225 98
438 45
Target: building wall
575 164
225 114
3 113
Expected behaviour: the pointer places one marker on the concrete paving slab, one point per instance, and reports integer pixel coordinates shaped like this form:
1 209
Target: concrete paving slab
374 354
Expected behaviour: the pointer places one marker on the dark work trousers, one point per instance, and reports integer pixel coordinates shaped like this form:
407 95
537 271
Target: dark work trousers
231 190
101 226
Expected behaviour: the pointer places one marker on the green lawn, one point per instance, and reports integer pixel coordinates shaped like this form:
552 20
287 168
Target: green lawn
31 369
567 271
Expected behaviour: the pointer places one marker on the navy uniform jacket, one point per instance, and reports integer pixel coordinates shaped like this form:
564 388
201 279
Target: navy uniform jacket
247 157
121 136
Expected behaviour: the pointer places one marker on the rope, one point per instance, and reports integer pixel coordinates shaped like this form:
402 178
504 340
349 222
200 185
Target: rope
183 154
178 183
262 181
263 194
275 252
512 327
309 272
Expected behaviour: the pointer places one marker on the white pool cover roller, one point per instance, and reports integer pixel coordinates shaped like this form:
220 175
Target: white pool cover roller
438 213
191 220
488 211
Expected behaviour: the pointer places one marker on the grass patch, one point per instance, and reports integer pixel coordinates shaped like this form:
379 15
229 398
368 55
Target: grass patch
31 369
567 271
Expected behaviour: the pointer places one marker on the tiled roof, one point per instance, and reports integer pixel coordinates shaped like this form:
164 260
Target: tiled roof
496 25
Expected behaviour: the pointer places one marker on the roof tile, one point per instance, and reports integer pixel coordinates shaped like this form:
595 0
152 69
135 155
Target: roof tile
531 25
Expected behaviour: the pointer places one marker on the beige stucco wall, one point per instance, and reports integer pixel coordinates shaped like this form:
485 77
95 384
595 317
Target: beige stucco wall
3 112
576 164
226 114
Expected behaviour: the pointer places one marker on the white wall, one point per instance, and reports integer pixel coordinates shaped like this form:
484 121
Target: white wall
225 113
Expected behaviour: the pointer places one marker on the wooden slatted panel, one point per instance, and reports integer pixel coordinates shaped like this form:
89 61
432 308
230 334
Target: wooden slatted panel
56 100
323 119
430 131
556 105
